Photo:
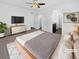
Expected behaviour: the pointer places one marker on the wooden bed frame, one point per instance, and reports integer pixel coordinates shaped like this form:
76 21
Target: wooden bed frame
26 54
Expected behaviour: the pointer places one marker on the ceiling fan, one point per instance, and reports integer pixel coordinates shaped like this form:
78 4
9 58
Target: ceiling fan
35 4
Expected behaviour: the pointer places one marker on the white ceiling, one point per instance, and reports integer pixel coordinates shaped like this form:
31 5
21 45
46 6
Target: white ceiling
21 3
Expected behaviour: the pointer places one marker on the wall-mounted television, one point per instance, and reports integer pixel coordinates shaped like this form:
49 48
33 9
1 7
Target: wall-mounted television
17 19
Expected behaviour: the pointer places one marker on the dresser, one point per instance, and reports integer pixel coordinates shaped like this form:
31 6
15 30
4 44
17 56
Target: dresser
17 29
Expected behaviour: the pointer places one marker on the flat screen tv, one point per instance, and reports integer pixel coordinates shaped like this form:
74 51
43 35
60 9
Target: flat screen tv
17 19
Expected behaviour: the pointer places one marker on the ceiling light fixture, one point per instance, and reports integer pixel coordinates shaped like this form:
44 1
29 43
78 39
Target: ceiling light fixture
35 5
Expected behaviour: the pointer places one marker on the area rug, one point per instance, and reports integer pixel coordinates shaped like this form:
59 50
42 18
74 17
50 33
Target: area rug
13 52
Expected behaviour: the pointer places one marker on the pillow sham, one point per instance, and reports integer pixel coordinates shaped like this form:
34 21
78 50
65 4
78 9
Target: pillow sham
68 37
75 37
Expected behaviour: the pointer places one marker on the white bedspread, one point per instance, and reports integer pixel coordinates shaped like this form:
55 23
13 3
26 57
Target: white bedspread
24 38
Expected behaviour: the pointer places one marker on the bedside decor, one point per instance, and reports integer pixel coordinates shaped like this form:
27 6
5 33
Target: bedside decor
72 17
3 27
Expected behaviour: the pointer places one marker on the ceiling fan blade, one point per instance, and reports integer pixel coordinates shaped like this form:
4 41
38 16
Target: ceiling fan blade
41 3
38 6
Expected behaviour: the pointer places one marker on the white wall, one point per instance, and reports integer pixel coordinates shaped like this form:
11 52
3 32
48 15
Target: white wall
57 18
71 6
6 11
67 6
47 22
36 19
49 17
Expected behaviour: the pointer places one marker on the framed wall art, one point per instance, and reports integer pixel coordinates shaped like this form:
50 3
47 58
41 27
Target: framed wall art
71 17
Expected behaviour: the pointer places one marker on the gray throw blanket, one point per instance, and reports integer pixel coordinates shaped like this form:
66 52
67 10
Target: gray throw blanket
43 45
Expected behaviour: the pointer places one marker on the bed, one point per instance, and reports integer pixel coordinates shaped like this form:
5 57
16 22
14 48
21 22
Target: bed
37 45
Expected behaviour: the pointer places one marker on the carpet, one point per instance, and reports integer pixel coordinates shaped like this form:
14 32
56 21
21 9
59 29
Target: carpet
13 52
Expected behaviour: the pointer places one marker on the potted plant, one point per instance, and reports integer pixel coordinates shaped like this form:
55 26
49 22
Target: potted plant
3 27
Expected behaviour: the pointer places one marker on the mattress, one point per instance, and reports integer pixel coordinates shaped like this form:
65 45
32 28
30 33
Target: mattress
24 38
43 45
40 44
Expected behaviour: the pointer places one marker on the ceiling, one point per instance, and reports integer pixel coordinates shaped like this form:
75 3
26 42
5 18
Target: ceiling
21 3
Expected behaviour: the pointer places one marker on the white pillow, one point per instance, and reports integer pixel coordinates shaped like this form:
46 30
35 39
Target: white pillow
75 37
68 40
76 49
68 37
